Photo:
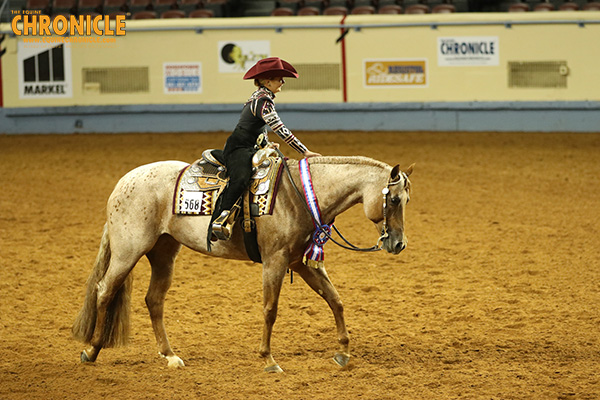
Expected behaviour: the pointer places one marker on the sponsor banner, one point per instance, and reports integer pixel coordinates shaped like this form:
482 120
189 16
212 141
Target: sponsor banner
44 70
239 56
182 78
402 73
472 51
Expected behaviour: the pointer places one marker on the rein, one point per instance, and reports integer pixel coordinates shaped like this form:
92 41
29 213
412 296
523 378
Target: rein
326 232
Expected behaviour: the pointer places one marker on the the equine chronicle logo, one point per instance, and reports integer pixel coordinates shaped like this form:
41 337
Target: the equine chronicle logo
33 23
385 73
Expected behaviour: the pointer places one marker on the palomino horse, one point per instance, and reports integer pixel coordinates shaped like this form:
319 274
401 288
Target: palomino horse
140 222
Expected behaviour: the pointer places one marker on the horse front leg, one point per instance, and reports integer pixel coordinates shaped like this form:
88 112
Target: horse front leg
273 274
319 281
162 258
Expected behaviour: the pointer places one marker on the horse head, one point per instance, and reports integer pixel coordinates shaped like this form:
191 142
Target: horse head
392 205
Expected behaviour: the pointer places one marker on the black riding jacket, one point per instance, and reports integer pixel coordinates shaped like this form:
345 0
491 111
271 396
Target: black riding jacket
258 112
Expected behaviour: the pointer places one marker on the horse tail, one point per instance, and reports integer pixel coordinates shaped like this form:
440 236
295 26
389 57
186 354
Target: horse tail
116 332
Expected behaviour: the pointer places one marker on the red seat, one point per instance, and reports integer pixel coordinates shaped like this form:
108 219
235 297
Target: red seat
201 13
111 6
593 6
444 9
309 11
543 7
282 12
335 10
144 15
363 10
518 7
390 9
64 6
417 9
172 14
87 6
569 6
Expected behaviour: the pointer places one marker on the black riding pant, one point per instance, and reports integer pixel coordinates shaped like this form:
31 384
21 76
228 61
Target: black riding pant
239 168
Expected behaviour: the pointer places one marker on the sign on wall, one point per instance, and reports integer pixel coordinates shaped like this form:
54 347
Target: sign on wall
238 56
390 73
468 51
44 70
182 78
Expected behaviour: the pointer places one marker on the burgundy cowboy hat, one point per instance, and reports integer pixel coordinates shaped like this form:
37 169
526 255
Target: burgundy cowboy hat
270 68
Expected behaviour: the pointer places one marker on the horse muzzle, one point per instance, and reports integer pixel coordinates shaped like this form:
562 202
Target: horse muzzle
394 245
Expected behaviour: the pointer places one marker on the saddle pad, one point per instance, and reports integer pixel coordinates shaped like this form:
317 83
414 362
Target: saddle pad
199 185
197 188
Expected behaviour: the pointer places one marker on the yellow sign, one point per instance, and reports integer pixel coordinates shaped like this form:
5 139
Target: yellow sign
386 73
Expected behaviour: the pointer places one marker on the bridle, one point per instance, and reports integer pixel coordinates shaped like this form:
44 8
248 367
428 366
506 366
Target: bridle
323 233
386 190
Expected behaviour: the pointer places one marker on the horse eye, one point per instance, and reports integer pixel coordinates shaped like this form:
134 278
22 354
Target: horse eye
395 200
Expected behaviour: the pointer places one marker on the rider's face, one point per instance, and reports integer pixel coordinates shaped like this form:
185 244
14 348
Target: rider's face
274 84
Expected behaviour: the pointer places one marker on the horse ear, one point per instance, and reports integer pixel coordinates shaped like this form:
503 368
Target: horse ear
395 173
409 170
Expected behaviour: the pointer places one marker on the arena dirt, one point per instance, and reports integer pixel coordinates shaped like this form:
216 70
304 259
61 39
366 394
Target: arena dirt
496 297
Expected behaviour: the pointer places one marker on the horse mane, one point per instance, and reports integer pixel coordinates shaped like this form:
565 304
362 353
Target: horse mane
354 160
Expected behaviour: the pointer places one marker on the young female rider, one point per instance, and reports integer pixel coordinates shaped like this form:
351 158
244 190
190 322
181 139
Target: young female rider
258 112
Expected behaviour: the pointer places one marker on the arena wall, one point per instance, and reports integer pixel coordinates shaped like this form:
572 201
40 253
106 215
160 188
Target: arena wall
463 71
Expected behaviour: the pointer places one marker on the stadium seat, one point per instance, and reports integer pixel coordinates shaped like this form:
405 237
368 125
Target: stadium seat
59 14
220 8
135 6
568 6
390 9
545 6
318 4
172 14
113 6
591 6
87 6
42 5
358 3
293 4
363 10
417 9
146 14
335 10
282 12
518 7
113 14
309 11
189 5
444 9
201 13
161 6
336 3
64 6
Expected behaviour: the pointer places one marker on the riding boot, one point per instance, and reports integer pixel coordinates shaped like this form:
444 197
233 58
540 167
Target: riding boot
222 227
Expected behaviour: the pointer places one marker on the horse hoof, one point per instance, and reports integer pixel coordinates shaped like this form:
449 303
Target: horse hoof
175 362
273 368
84 357
341 359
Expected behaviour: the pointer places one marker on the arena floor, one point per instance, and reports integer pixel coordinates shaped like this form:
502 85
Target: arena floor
496 297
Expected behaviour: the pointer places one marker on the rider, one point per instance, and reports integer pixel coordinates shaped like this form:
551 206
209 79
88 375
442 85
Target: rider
258 112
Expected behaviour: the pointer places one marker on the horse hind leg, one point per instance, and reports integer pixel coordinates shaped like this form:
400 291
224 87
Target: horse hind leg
319 281
162 258
112 308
